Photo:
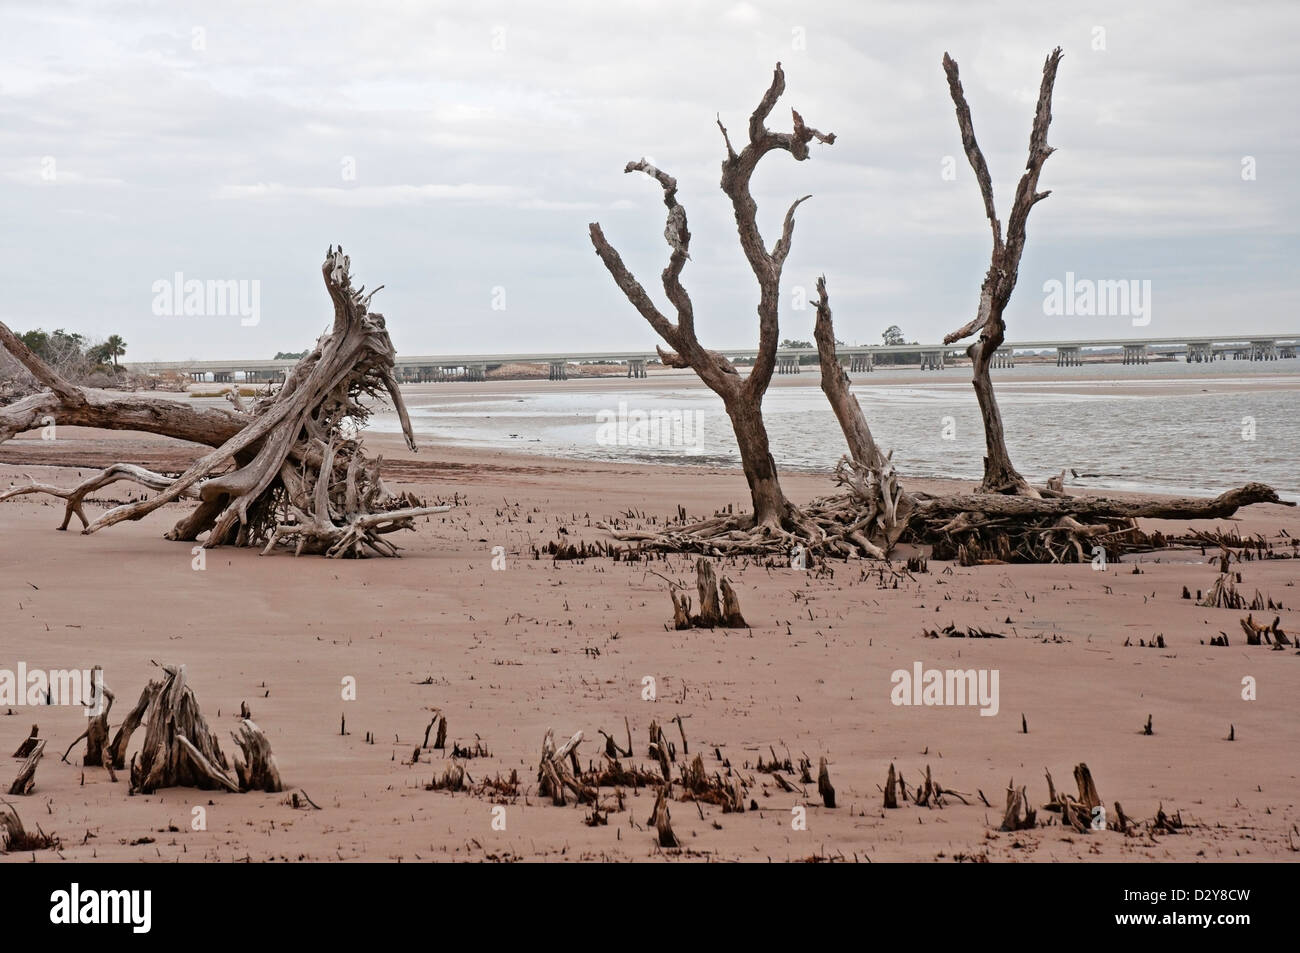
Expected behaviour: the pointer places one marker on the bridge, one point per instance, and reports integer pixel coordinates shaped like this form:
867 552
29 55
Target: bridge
855 358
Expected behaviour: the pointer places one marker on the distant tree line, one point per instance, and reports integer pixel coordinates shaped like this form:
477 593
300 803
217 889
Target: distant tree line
72 355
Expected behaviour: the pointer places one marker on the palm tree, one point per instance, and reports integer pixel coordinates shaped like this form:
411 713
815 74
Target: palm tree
115 347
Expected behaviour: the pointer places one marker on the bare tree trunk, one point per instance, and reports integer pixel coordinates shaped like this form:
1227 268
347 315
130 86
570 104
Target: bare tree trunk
742 399
835 385
771 508
999 474
869 474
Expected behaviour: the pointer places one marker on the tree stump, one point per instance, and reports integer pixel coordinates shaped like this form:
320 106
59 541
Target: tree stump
1019 815
26 747
662 821
179 748
258 770
707 585
26 779
824 785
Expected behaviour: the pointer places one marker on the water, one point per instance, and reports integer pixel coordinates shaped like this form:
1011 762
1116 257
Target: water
1172 428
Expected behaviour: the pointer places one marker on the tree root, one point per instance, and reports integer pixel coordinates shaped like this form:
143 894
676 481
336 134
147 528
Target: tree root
972 529
286 469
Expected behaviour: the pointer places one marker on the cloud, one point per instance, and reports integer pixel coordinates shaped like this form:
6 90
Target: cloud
458 149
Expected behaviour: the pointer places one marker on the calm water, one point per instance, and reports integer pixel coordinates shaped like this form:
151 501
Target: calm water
1133 427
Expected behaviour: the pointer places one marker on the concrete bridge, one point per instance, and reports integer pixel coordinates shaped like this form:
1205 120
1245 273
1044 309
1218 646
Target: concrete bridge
855 358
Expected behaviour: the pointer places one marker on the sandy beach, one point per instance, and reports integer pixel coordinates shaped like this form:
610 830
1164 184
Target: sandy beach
508 653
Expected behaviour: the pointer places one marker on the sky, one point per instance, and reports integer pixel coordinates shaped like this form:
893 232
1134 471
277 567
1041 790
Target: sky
458 151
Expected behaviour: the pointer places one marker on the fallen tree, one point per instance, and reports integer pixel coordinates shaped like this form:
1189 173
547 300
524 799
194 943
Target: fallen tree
288 469
982 527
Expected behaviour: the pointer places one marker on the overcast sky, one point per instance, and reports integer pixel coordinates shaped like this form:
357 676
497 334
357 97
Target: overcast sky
142 139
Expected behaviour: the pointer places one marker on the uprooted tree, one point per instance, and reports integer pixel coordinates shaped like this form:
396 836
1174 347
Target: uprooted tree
774 515
1004 266
286 469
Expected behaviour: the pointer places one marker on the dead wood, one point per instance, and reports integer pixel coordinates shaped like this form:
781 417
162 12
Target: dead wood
715 611
662 820
867 472
891 796
773 514
26 747
288 470
824 787
15 838
1000 280
1018 816
26 779
179 748
258 770
122 738
710 615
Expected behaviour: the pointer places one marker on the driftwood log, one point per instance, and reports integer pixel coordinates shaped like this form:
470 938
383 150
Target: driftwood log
287 470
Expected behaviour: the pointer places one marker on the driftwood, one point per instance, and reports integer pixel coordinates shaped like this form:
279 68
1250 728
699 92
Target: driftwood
891 796
715 611
122 737
258 770
15 838
1101 507
867 472
1076 811
1259 634
991 528
970 528
287 470
1000 280
26 779
180 750
1018 816
28 744
662 819
824 787
773 515
558 770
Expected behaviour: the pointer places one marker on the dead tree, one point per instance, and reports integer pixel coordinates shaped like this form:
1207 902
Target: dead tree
868 473
1000 280
773 514
286 470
